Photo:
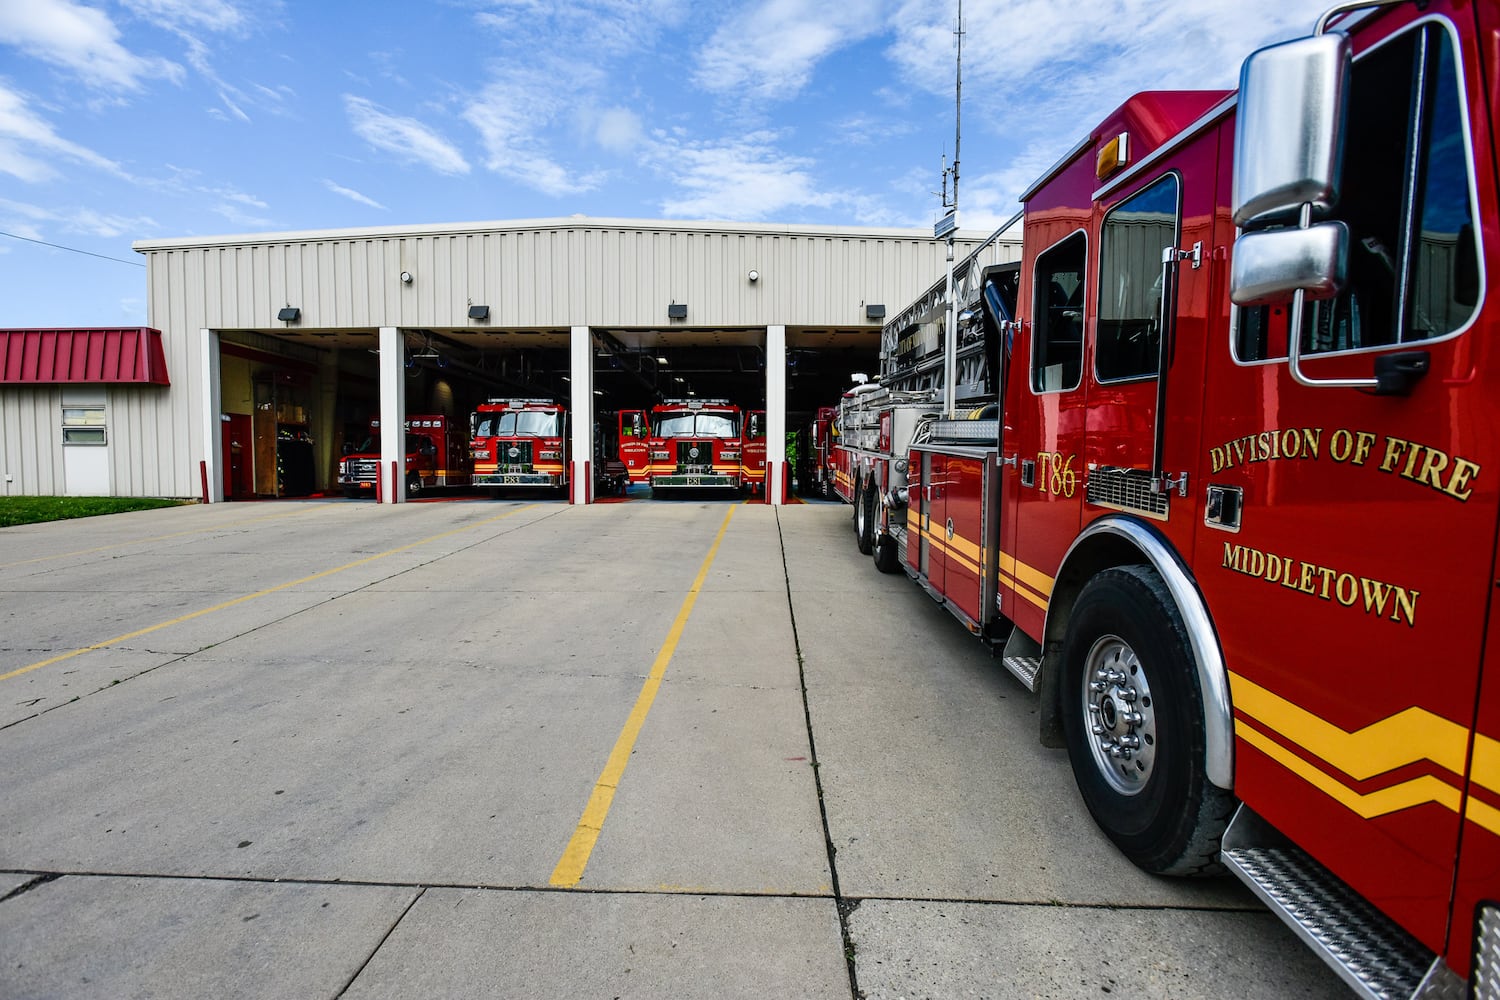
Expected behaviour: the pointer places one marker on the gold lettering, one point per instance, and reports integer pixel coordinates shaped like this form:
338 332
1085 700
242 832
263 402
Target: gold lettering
1306 586
1290 444
1328 576
1340 445
1312 440
1394 446
1458 486
1216 459
1338 590
1234 557
1432 468
1377 595
1362 452
1406 601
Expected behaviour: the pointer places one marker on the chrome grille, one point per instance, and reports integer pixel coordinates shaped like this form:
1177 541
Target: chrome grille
687 461
1127 489
513 456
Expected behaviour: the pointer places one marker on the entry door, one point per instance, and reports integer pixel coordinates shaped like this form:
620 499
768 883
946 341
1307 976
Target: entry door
635 447
1143 352
1044 425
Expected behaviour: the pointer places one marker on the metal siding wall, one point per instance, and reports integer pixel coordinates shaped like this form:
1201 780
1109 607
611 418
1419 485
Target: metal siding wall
31 441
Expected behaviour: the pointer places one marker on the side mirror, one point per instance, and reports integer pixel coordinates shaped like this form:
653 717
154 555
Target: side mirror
1289 128
1269 267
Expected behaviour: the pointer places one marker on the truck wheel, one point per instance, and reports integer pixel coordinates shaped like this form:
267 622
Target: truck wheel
887 558
1133 718
413 484
864 518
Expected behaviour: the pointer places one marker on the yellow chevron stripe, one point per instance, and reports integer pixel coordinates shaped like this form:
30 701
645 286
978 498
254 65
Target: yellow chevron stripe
1404 738
1022 590
1416 792
1034 578
1482 814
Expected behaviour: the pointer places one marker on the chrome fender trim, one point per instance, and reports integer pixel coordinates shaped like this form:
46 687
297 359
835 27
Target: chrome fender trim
1213 676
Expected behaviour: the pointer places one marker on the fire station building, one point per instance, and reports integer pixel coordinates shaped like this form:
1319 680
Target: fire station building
268 356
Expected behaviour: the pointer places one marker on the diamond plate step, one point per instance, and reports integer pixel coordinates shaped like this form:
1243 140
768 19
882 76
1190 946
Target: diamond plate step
1025 668
1364 946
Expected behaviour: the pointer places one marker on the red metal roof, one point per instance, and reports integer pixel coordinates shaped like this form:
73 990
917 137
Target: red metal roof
94 355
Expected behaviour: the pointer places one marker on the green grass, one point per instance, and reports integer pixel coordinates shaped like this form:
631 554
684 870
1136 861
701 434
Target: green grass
31 510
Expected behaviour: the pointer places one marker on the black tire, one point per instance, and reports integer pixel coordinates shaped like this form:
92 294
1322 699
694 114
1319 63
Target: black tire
413 484
1127 664
864 517
887 557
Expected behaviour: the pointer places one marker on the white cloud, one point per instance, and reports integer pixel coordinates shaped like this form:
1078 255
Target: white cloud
1060 73
770 49
510 116
25 137
619 130
406 138
742 179
351 194
213 15
82 40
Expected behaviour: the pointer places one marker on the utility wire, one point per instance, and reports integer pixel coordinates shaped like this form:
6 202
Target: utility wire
58 246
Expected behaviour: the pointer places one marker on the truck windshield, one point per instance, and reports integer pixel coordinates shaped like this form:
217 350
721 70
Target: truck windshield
536 423
715 425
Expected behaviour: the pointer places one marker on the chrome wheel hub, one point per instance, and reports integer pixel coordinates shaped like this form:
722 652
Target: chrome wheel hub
1119 714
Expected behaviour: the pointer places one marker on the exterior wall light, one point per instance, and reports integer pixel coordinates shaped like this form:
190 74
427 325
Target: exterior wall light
875 310
290 314
677 310
754 276
405 277
479 312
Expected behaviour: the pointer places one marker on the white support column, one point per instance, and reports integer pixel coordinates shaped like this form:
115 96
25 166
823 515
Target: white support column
775 412
580 473
392 414
210 415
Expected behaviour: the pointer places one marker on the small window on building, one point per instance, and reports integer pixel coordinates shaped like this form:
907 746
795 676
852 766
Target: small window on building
83 425
1057 316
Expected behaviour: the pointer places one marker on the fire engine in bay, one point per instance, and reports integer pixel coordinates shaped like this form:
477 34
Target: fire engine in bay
694 444
1219 487
435 455
519 443
525 444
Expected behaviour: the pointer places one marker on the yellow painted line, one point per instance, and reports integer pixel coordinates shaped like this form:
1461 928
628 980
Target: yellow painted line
575 856
1404 795
1404 738
250 597
175 534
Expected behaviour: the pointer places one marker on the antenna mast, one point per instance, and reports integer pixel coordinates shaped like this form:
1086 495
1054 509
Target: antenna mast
948 227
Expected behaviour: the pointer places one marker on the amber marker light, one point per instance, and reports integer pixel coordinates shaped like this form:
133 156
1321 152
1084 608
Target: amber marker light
1114 155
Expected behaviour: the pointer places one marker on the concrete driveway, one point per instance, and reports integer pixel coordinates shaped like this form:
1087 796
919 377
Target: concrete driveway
674 749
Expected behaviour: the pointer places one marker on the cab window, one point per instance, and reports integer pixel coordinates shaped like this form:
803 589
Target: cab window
1057 316
1405 194
1131 242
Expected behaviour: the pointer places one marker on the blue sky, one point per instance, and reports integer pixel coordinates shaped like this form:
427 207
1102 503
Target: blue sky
123 120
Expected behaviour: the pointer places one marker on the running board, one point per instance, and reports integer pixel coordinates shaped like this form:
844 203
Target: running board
1366 948
1023 657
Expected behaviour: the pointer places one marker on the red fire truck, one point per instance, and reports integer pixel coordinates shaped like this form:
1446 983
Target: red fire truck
1229 518
821 463
686 444
519 443
435 456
